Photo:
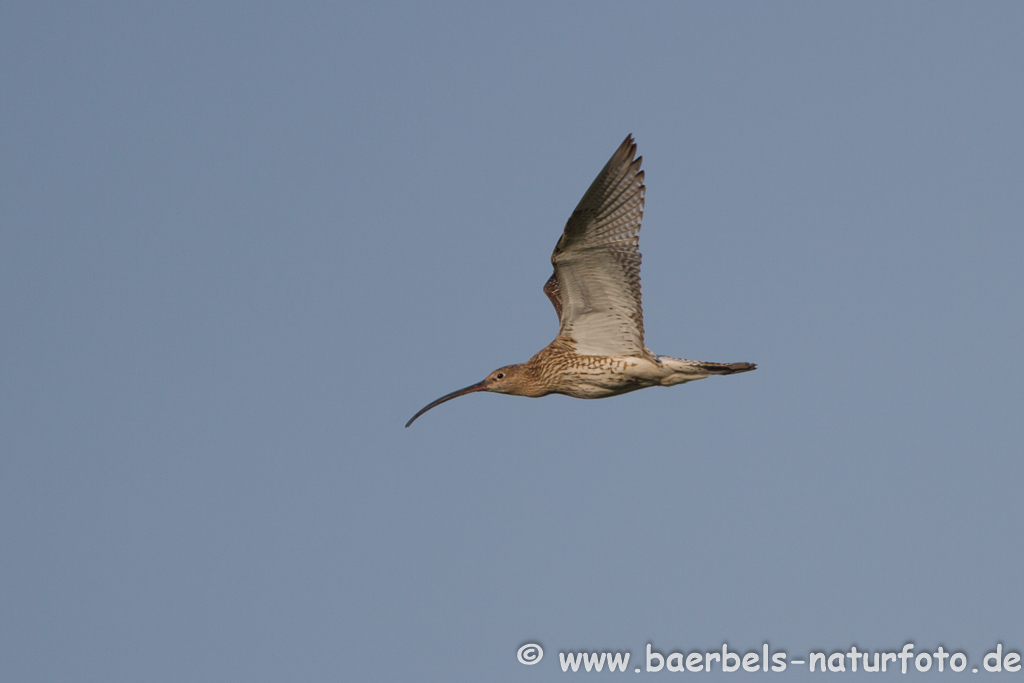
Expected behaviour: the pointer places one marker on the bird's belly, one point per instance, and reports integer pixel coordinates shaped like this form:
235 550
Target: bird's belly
611 378
600 389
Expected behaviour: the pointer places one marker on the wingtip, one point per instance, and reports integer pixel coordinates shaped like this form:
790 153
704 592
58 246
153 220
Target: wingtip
628 147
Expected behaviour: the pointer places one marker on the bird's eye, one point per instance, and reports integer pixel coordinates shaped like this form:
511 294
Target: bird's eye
500 375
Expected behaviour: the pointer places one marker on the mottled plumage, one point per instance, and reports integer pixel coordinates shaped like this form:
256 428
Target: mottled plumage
595 289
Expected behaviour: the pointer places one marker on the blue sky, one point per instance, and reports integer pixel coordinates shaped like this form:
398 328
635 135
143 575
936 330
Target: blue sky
243 243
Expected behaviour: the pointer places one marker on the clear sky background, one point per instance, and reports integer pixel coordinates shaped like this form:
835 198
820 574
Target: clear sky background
243 243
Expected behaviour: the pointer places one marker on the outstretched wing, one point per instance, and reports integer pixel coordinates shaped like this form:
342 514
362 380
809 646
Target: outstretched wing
596 284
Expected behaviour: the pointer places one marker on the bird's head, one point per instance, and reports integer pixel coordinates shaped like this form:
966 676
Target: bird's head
506 380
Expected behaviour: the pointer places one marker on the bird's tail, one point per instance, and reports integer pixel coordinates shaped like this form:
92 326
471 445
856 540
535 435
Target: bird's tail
727 368
689 370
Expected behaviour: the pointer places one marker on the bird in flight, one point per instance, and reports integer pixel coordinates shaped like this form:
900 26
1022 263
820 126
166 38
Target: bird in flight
595 289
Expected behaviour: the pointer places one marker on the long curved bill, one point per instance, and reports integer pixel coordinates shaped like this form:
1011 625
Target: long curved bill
479 386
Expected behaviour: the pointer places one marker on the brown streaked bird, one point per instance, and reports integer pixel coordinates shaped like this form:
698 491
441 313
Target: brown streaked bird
599 350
